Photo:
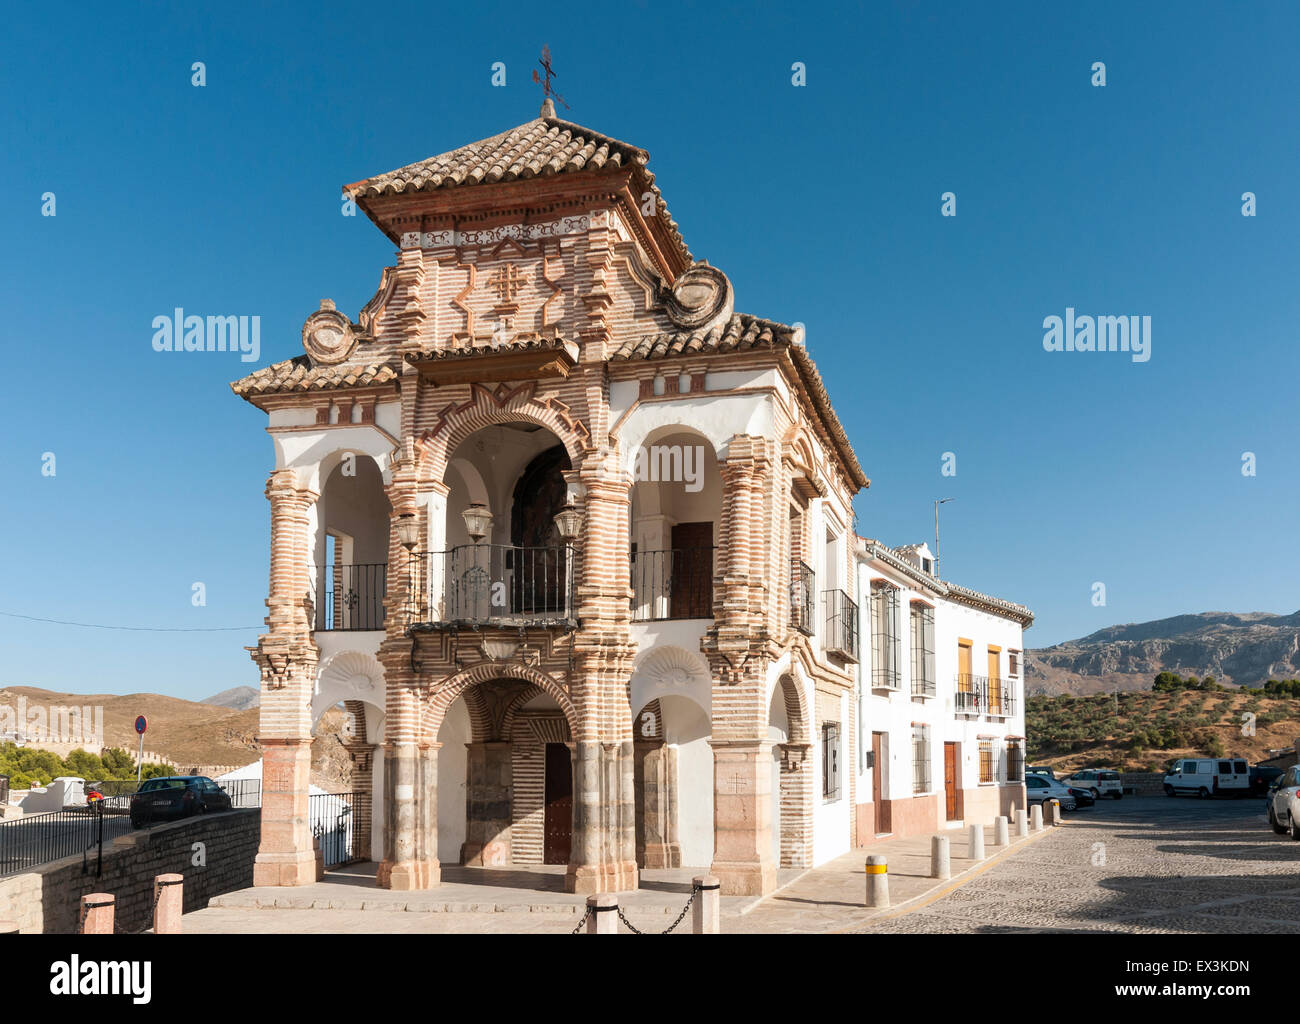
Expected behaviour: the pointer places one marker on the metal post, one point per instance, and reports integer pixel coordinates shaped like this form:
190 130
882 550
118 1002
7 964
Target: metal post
877 882
937 503
976 844
707 912
940 864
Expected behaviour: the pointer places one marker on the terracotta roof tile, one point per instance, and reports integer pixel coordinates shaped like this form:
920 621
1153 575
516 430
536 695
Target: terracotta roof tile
739 333
298 375
538 148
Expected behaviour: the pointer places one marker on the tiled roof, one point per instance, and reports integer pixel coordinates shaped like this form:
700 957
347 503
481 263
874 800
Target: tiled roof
298 375
469 351
986 602
739 333
539 148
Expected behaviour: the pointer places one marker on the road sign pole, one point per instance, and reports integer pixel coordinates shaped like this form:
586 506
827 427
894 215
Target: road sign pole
139 762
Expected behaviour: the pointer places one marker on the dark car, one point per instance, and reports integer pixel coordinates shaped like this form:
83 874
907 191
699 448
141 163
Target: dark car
178 796
1262 778
1082 797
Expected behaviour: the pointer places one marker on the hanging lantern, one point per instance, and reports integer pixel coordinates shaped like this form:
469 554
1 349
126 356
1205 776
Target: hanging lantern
568 521
478 521
408 530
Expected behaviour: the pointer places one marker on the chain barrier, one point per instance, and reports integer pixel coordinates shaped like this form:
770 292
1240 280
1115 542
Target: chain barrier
695 891
581 922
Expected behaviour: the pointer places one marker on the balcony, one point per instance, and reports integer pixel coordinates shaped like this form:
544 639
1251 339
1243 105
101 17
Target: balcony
803 598
352 597
972 694
841 625
495 585
922 687
672 584
1002 703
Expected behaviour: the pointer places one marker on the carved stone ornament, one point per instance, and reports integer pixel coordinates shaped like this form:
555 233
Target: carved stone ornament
327 336
700 295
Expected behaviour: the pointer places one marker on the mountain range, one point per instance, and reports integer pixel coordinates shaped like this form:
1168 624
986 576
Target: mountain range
1242 649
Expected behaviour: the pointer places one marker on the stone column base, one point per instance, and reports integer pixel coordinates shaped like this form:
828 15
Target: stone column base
406 875
589 879
745 879
663 855
285 868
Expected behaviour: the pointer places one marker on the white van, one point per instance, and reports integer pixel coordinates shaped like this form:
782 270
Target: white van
1209 776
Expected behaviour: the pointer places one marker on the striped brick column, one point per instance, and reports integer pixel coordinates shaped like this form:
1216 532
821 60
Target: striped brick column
287 657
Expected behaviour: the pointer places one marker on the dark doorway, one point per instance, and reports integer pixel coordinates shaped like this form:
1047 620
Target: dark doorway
536 565
878 782
690 586
558 827
950 781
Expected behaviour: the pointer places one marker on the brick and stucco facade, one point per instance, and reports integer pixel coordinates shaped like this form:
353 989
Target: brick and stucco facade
652 690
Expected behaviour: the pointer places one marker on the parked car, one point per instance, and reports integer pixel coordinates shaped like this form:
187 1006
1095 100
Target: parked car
1082 797
1209 776
178 796
1263 777
1041 788
1284 803
1041 771
1098 781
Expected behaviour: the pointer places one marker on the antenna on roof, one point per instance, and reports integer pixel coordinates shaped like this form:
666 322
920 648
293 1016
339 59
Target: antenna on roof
548 108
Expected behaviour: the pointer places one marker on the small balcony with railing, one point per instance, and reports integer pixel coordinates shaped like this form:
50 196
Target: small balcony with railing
971 697
803 598
351 597
494 585
673 584
841 625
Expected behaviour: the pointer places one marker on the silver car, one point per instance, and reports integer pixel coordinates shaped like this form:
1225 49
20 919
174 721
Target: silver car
1039 789
1284 803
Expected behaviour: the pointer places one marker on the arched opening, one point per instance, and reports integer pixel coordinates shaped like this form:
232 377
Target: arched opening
505 778
792 776
517 570
353 517
673 784
676 504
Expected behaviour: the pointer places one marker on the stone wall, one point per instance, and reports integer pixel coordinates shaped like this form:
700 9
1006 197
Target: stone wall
48 898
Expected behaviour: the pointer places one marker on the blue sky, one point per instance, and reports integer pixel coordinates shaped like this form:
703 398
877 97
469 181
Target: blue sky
821 203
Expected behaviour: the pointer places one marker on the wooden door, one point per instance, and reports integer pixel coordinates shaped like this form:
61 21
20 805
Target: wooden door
558 821
950 780
877 782
690 582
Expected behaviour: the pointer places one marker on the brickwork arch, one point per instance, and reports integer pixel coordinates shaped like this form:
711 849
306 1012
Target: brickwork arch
487 407
457 684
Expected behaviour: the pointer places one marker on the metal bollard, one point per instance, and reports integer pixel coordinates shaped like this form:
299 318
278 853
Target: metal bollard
1022 823
940 866
8 927
877 882
976 844
1036 817
1054 813
603 916
168 904
707 912
1001 834
97 913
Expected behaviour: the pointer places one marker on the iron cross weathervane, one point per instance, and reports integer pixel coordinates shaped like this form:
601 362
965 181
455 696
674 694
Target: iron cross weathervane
545 62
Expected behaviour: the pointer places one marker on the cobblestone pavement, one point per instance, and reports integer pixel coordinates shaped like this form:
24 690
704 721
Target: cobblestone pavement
1146 865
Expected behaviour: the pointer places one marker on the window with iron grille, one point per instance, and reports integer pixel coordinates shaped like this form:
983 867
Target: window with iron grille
923 675
1015 761
1013 667
987 771
920 759
886 641
831 760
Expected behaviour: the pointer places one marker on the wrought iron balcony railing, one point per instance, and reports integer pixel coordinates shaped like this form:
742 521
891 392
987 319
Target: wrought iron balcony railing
803 598
841 624
972 694
494 584
351 597
1002 702
672 584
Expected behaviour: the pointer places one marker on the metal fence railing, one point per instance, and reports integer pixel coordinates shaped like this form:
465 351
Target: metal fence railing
333 819
803 598
972 694
672 584
352 597
841 624
494 584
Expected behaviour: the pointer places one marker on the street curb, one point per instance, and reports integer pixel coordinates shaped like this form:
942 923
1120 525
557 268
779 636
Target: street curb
955 883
